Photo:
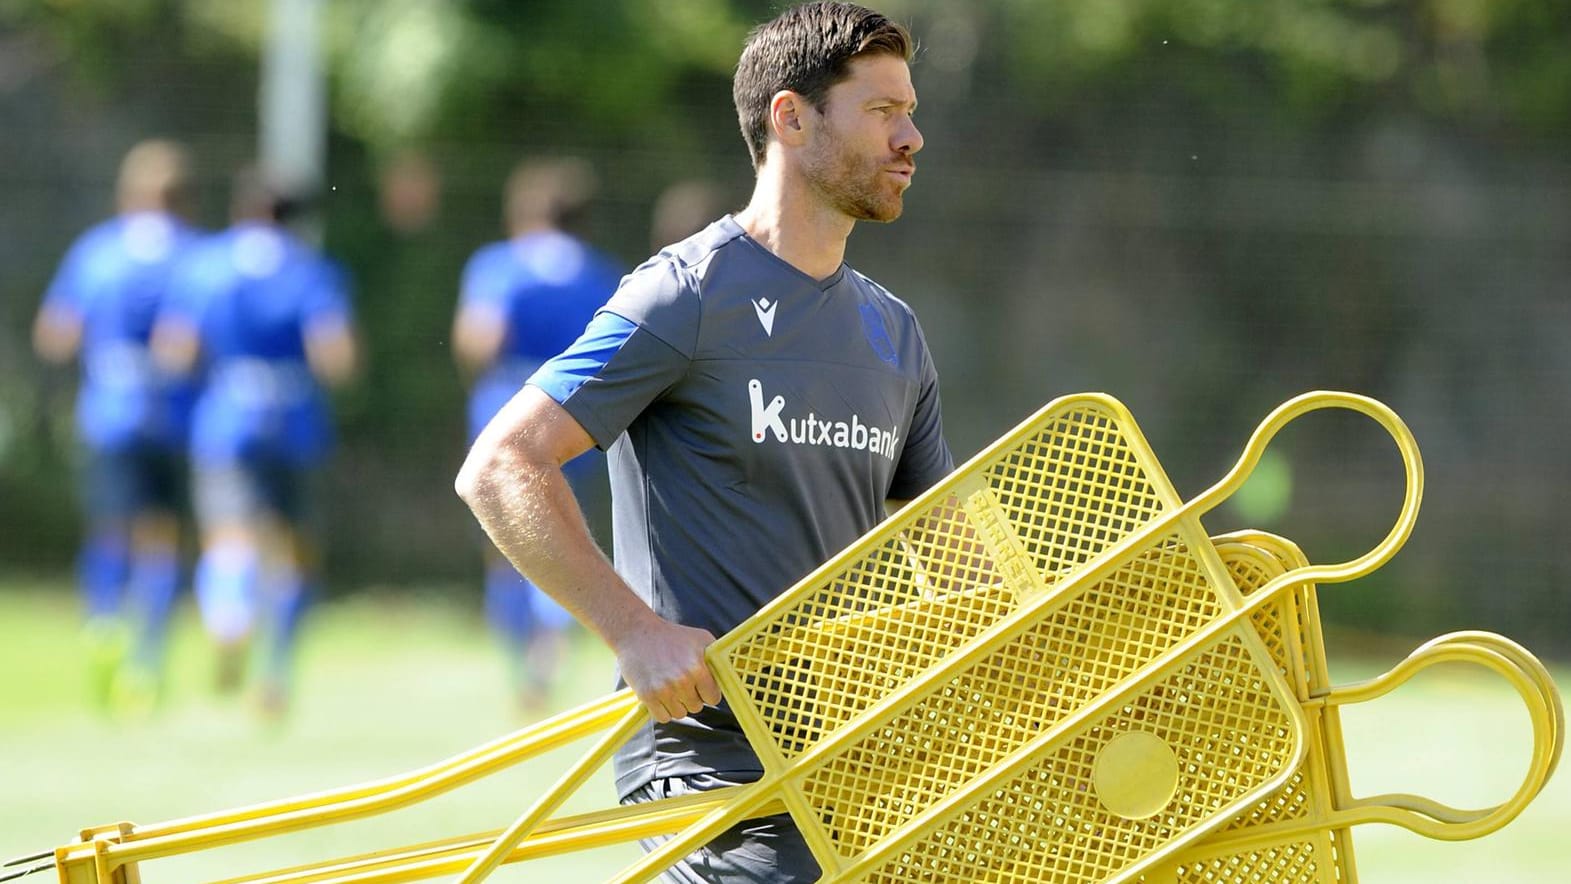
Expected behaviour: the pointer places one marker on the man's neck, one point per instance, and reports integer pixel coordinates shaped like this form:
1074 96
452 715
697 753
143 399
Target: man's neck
786 218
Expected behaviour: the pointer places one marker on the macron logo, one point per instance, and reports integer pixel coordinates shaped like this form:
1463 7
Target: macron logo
766 314
769 420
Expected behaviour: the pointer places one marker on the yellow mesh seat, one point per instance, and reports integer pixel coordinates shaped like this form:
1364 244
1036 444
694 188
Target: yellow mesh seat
1042 670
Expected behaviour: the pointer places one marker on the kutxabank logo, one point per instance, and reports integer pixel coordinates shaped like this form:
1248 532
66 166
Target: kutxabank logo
770 419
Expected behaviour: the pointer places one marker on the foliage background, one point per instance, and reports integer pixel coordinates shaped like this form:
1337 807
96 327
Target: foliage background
1202 207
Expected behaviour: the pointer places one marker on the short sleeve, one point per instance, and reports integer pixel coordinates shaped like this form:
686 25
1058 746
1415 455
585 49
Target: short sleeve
328 300
485 281
925 460
635 349
66 290
192 280
662 298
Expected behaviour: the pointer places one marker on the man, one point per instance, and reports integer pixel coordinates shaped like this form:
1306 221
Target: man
524 300
269 319
709 376
130 417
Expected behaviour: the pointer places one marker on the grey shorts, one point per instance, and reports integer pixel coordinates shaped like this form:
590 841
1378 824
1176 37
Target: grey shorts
767 850
249 490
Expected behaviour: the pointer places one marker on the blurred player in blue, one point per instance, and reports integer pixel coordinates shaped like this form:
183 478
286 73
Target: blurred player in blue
523 300
267 319
130 417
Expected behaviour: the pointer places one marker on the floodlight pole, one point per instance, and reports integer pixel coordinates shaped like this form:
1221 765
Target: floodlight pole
292 105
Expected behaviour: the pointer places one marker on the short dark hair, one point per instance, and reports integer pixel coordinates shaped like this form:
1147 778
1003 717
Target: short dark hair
806 50
255 196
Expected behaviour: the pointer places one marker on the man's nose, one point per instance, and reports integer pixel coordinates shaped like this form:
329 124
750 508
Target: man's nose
908 139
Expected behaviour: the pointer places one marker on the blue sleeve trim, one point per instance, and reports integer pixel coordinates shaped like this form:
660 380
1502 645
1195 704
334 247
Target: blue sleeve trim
562 375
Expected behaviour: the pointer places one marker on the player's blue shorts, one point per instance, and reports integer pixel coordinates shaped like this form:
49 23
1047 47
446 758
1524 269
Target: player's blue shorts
123 482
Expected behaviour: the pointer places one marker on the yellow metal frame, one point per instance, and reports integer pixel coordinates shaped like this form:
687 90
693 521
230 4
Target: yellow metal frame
1301 834
1041 670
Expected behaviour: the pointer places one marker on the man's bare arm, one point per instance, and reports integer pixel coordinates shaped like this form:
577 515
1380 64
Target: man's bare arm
512 480
478 333
332 351
57 335
176 345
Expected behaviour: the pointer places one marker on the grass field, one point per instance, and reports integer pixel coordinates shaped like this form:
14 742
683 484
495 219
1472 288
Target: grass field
391 684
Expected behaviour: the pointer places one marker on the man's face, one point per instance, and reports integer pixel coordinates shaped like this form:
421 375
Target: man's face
861 158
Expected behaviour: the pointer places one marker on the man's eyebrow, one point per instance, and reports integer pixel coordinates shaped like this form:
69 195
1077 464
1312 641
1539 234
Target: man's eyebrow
890 99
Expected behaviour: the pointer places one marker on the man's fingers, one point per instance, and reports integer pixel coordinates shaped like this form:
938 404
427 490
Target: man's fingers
708 690
656 706
683 700
669 673
673 703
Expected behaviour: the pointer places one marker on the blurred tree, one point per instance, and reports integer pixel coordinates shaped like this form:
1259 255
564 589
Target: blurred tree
1201 206
404 69
1302 59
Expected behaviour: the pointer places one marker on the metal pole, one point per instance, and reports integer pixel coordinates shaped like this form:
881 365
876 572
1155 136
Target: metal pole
292 104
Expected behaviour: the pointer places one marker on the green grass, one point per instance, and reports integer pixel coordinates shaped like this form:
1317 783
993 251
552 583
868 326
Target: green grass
385 686
390 684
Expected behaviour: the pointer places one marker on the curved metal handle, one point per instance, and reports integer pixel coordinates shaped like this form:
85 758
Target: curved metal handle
1284 414
1441 821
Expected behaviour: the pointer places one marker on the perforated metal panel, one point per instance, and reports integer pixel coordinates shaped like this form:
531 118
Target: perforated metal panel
938 698
1290 627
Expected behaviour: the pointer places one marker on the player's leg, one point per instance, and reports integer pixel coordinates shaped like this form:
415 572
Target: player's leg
546 645
229 506
510 613
107 486
290 578
154 578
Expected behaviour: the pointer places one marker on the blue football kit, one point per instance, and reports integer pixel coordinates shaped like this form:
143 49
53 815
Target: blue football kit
131 418
543 287
113 281
254 294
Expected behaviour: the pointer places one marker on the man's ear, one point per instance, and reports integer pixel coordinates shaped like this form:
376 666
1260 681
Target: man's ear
789 117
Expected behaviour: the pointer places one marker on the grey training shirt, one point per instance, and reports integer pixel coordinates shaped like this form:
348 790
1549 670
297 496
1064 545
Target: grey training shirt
756 421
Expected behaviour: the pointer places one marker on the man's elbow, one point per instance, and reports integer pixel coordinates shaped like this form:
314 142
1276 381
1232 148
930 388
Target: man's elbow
55 339
473 476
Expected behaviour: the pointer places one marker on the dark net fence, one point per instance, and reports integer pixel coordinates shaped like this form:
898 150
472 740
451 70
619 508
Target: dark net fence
1200 263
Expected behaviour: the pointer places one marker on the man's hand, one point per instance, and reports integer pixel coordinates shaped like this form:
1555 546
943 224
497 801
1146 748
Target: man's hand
664 665
512 480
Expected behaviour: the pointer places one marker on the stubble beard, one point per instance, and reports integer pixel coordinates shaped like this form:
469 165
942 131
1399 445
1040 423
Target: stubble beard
853 186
